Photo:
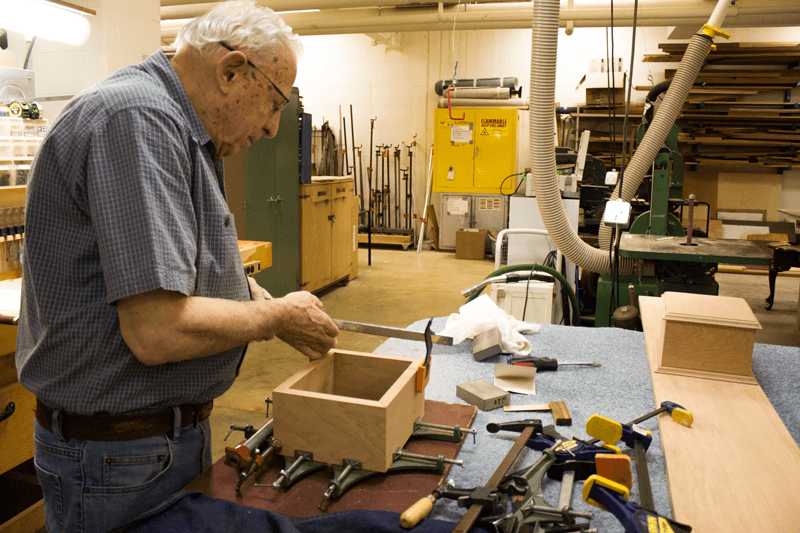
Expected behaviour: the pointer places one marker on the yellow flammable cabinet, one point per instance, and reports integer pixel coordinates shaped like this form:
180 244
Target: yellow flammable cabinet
475 153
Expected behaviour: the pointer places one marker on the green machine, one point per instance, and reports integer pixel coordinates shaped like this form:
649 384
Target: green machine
665 258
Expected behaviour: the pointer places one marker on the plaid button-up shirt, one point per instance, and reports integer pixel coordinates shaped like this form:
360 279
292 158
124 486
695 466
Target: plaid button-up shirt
125 196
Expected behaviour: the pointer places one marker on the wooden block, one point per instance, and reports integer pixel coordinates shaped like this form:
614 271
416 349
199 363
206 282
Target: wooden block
707 336
717 468
487 344
561 413
615 467
349 405
483 395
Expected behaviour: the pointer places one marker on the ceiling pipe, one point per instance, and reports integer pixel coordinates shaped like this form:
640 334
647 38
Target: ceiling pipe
518 15
180 9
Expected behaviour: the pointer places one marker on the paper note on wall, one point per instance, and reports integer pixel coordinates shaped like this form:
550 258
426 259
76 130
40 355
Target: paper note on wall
461 133
457 206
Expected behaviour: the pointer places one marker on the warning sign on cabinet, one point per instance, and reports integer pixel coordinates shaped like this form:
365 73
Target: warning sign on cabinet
489 204
494 127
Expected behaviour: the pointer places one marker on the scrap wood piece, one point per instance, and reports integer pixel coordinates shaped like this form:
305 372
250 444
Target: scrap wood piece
560 412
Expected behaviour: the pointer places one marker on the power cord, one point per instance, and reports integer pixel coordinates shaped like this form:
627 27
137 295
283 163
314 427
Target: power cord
518 185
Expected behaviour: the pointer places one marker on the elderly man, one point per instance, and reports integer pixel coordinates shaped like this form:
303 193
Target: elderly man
135 309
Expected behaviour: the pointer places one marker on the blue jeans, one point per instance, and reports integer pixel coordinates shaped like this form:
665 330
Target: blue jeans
95 486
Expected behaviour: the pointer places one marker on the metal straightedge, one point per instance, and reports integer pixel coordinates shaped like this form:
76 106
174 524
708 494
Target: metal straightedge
440 432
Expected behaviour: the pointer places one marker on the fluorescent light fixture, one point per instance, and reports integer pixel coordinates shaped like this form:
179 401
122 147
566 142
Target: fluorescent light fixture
55 20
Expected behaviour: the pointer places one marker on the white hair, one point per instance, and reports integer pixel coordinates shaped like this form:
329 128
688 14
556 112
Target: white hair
242 25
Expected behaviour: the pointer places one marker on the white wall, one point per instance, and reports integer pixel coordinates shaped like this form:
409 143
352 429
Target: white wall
396 86
122 33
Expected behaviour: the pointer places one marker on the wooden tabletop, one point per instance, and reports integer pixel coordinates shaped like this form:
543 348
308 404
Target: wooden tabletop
391 492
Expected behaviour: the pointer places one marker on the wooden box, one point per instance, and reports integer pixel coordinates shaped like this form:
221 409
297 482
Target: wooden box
349 405
707 336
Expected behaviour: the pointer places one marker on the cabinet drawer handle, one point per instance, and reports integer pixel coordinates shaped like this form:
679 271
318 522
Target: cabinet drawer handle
8 412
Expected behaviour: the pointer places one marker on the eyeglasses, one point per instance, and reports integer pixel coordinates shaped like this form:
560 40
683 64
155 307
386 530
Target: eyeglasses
285 99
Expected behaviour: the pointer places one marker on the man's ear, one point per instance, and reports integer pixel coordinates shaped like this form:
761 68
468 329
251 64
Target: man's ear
229 68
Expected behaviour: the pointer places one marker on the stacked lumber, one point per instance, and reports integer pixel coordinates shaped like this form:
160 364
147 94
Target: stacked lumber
602 120
740 111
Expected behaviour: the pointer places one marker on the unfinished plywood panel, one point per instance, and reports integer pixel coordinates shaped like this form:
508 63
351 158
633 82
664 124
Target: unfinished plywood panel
349 405
707 336
750 191
737 468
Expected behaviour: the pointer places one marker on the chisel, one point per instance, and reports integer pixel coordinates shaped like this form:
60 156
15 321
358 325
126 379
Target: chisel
386 331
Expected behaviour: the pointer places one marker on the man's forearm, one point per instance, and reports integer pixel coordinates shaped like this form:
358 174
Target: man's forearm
162 326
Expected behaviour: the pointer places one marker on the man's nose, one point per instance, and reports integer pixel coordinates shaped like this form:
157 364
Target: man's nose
271 127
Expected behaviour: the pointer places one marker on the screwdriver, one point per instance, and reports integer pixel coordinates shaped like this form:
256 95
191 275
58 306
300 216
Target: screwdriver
544 363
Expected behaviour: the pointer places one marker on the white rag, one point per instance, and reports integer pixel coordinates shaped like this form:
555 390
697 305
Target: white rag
482 314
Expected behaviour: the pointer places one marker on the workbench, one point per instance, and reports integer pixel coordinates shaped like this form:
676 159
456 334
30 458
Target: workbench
620 390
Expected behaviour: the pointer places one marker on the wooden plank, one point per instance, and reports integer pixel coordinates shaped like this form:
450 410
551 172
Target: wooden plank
378 238
720 475
731 163
31 519
735 47
731 142
561 414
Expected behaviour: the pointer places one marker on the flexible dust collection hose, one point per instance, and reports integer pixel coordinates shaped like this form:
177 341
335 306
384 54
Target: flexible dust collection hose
576 313
657 132
542 151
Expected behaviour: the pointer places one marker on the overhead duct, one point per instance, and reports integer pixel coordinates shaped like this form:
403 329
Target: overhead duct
506 15
542 150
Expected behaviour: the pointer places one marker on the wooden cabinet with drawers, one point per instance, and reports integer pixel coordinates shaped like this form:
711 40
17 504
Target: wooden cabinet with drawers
23 510
327 233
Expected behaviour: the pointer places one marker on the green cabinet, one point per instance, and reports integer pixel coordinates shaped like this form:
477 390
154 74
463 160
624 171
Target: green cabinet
263 191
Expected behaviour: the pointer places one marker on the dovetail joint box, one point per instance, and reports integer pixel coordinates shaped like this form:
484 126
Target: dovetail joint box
349 405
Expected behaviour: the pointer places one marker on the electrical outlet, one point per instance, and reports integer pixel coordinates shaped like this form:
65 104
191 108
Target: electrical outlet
611 178
617 213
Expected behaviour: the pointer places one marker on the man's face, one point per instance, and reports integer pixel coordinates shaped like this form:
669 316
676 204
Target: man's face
252 106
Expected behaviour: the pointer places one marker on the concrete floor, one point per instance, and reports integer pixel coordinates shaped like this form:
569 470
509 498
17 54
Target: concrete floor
401 287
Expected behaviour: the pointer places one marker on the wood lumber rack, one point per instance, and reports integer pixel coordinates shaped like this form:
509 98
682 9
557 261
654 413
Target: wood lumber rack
741 111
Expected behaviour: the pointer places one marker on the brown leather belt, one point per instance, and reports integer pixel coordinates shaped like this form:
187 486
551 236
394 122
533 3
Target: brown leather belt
122 427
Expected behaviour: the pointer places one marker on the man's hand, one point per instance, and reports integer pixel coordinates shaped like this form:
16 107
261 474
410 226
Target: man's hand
305 326
257 292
